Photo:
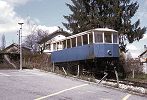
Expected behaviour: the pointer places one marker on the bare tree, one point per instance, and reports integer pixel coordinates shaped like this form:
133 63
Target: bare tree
41 34
128 55
31 40
36 34
3 42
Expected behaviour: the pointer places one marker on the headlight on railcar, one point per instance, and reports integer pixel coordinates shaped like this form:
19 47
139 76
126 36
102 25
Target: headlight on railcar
109 52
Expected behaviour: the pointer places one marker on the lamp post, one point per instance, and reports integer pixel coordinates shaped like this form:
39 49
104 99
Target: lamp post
20 44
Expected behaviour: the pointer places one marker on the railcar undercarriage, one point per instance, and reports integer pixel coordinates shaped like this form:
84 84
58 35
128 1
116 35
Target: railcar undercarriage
93 67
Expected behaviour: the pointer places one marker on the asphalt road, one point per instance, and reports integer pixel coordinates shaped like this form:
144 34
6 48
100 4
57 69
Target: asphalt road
36 85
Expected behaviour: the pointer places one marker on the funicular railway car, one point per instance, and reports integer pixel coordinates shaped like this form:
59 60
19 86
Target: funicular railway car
97 49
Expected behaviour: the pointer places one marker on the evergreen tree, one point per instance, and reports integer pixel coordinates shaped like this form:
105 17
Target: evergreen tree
115 14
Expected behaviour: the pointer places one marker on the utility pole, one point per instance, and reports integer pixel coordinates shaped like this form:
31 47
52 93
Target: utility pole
20 44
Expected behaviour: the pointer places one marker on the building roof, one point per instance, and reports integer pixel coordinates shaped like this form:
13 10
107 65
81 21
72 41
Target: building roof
142 53
52 35
16 47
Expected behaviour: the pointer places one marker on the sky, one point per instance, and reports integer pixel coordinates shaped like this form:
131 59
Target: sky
41 13
47 14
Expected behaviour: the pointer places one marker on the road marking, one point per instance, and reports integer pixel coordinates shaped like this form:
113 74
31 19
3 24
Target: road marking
126 97
19 75
38 74
23 75
4 74
53 94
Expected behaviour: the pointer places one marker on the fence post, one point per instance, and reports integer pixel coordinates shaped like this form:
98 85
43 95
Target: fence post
103 77
133 74
53 67
78 73
116 76
24 62
64 71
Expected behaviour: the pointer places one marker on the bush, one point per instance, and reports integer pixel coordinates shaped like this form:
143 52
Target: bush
39 61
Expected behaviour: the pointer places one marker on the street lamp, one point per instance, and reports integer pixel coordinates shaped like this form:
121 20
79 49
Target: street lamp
20 44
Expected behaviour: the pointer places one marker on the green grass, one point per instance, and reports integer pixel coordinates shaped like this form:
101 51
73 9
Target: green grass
138 78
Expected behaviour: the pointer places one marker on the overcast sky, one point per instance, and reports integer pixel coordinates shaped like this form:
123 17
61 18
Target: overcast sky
49 13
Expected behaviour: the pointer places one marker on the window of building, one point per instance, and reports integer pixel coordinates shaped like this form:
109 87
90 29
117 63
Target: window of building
59 45
107 37
114 38
79 41
85 39
64 44
48 46
68 43
54 46
73 42
98 37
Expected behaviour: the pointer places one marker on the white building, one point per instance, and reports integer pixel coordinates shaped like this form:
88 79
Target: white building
45 44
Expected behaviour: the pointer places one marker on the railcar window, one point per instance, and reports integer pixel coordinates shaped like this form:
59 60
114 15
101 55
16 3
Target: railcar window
64 44
98 37
73 42
114 38
79 41
107 37
68 43
90 38
85 39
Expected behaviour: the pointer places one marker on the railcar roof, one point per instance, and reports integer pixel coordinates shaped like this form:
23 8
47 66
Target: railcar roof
86 32
105 29
96 29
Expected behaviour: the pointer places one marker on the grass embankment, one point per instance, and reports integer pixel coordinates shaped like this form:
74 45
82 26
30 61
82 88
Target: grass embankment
43 62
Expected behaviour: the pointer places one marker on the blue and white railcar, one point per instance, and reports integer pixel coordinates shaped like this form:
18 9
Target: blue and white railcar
92 44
